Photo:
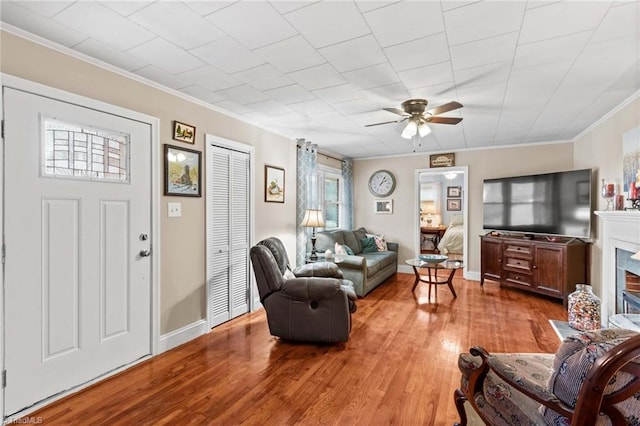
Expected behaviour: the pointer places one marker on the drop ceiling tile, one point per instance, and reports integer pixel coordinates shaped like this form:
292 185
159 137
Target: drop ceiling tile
287 6
341 93
392 93
170 19
166 56
233 107
485 74
210 78
373 117
406 21
419 53
22 18
327 23
450 5
160 76
375 76
549 51
264 77
202 94
228 55
357 106
311 107
291 94
427 76
109 55
317 77
483 52
290 55
126 8
368 5
207 6
270 107
45 8
353 54
552 20
623 21
99 22
483 20
254 24
244 94
533 86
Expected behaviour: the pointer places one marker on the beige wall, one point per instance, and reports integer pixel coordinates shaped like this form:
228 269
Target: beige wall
601 150
182 272
489 163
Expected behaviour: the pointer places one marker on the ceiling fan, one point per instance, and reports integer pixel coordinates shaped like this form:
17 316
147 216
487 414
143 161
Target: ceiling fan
413 110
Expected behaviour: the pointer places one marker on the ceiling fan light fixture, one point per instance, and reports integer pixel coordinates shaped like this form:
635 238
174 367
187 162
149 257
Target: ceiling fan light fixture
424 130
411 130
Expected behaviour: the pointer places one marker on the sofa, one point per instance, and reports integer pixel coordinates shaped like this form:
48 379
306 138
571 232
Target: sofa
366 270
593 379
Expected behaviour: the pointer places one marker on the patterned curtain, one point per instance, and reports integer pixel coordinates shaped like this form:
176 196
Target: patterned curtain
307 193
347 180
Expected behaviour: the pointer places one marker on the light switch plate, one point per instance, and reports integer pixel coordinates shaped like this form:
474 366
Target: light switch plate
175 209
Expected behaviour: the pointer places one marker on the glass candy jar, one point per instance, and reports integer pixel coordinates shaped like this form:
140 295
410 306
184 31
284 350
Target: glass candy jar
584 309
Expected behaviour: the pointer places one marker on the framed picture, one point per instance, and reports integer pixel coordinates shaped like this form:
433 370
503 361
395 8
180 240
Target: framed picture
442 160
182 171
454 191
274 184
454 204
383 206
184 132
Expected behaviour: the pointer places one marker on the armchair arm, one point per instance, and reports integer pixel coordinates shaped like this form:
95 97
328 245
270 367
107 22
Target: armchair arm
353 262
318 269
311 288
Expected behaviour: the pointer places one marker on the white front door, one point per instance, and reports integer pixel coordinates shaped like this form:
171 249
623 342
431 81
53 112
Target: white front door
77 221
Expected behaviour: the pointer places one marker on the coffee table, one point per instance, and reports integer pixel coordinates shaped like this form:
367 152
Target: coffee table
451 266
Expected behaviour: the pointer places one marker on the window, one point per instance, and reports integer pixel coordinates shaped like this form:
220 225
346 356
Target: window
330 191
80 152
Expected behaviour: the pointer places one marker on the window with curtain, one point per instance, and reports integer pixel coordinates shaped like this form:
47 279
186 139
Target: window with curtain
331 196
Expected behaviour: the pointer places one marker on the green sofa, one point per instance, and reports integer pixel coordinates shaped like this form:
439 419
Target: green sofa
365 270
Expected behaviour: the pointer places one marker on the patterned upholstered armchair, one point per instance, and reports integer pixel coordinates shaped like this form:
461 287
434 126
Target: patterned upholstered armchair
593 379
313 303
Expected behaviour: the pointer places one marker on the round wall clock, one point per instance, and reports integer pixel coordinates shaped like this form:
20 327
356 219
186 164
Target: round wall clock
382 183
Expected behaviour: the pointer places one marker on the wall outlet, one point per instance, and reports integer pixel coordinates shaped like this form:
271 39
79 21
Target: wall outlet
175 209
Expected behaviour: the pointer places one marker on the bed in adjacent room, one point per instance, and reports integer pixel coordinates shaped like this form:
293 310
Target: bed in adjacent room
452 242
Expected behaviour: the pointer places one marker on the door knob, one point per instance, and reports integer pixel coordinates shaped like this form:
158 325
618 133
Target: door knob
145 253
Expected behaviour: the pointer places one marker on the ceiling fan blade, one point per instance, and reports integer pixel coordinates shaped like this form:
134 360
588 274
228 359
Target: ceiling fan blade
385 122
395 111
450 106
444 120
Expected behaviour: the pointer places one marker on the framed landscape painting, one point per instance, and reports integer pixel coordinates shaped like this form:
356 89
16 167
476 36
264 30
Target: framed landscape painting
182 171
274 184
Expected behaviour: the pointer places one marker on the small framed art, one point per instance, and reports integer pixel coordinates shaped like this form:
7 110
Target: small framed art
274 184
383 206
182 171
454 191
184 132
454 204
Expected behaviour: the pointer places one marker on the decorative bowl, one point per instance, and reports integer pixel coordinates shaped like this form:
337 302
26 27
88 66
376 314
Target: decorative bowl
432 258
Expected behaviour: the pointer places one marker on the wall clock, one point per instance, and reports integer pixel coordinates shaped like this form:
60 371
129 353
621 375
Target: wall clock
382 183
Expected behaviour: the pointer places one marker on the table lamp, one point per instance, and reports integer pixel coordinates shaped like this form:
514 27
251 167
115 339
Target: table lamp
313 219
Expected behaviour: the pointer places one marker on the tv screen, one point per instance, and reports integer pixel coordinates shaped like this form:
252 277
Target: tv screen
551 203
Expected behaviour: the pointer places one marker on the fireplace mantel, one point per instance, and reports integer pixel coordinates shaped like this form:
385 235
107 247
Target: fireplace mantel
619 229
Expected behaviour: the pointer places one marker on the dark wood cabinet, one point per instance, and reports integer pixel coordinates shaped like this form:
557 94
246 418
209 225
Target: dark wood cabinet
542 265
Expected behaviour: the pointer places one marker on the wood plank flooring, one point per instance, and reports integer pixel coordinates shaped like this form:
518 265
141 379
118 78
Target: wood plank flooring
398 367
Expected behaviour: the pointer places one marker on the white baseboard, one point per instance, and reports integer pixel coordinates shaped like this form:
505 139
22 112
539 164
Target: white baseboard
182 335
405 269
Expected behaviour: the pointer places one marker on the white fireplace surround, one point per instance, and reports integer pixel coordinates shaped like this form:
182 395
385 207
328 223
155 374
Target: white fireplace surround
620 229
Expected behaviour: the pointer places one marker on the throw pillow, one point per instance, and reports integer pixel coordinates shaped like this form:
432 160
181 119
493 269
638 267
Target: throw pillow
369 245
343 250
381 243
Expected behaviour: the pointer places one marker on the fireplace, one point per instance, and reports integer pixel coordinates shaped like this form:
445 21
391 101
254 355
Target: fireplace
619 239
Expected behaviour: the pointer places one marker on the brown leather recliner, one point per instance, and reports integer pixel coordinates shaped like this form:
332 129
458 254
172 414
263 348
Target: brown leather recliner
311 304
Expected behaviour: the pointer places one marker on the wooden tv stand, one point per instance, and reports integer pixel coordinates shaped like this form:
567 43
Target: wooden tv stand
546 265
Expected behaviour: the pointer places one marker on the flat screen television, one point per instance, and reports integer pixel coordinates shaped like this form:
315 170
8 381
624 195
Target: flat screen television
550 203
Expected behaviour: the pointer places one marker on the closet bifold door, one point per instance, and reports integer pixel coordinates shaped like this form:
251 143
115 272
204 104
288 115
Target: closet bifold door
227 234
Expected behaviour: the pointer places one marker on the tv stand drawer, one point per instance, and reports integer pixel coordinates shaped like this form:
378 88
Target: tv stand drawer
524 250
518 265
519 279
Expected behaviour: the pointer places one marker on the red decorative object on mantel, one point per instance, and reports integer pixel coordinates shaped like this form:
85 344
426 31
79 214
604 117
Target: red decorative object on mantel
633 191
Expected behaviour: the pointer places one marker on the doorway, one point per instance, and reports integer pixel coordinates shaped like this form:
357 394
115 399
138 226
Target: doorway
441 224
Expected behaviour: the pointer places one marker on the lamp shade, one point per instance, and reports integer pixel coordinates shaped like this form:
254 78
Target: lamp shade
312 219
636 256
411 130
424 130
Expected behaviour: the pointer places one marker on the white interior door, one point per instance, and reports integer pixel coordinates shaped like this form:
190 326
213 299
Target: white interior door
77 222
227 233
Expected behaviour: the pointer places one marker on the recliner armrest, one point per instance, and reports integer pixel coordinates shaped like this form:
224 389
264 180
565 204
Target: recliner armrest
318 269
306 289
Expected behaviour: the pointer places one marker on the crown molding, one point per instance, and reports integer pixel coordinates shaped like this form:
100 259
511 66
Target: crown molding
607 116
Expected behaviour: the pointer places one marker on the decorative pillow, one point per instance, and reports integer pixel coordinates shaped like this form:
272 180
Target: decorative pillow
288 275
343 250
369 245
381 243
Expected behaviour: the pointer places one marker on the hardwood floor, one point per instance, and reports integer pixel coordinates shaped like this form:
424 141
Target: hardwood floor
398 367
